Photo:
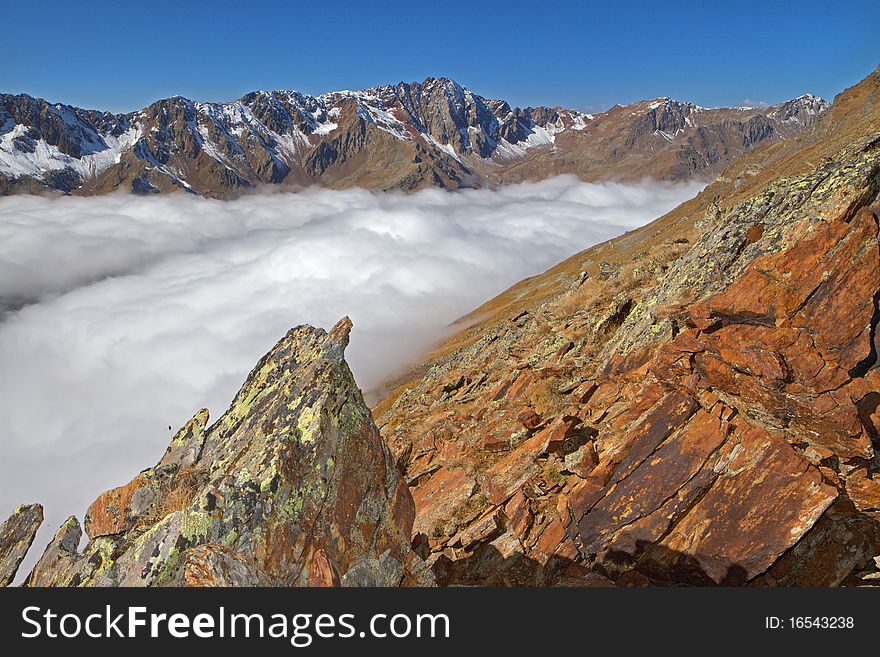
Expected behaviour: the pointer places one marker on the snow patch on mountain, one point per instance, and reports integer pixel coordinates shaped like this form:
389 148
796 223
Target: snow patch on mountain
21 155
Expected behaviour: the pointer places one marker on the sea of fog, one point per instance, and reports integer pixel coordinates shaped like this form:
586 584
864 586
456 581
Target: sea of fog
122 315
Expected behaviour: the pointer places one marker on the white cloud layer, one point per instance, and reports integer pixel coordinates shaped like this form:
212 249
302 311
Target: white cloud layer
142 310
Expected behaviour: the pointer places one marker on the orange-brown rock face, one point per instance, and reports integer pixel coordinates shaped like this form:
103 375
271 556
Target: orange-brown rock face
791 340
706 414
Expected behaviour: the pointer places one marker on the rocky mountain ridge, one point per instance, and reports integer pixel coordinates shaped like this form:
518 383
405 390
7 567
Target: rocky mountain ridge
405 136
693 402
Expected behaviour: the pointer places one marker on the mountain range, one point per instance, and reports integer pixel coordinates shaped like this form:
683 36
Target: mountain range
435 133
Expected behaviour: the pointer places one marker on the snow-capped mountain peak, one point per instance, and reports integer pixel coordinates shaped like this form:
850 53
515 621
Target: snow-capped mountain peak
405 135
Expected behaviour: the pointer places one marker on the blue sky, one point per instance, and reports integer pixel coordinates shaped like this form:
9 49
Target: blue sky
121 56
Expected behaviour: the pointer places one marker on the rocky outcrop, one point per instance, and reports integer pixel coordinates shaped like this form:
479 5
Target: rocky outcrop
407 136
292 486
16 535
700 410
